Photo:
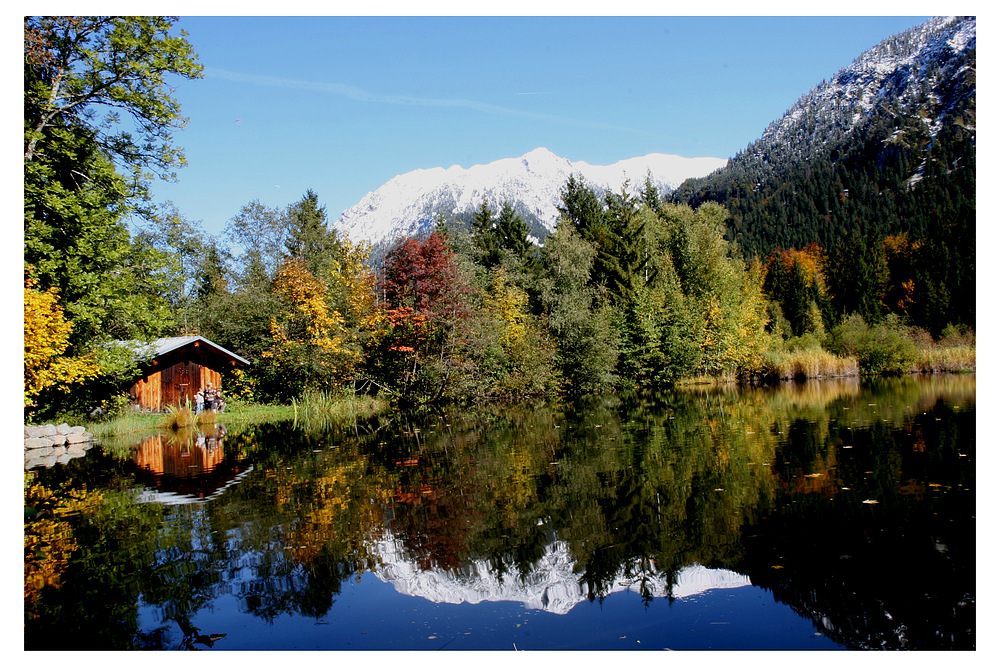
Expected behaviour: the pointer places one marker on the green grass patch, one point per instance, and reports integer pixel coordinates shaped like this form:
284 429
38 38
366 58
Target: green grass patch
314 411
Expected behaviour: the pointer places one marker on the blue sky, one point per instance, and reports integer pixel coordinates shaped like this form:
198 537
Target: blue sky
342 104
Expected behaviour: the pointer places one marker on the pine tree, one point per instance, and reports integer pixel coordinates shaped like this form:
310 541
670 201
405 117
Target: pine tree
310 237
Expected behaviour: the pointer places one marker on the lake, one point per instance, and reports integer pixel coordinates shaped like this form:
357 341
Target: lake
825 515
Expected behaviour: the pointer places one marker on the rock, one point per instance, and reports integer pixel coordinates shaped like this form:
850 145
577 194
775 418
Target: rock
39 453
47 444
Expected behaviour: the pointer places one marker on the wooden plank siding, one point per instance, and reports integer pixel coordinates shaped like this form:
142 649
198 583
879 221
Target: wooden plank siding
173 378
174 385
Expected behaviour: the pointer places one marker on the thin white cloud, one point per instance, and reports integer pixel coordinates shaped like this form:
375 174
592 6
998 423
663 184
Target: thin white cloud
359 95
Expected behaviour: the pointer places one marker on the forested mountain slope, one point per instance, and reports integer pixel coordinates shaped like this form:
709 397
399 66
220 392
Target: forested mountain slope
886 147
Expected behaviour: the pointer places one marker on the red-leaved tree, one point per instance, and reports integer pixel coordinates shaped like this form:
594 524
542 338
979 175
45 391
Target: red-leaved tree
425 298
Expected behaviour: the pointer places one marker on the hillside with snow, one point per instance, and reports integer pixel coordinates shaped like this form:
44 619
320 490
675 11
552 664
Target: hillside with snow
410 203
886 146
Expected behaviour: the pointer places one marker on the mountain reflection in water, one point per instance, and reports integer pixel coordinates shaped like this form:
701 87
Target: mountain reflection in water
552 585
851 503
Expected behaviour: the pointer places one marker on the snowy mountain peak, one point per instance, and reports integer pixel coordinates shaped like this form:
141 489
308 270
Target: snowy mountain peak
409 203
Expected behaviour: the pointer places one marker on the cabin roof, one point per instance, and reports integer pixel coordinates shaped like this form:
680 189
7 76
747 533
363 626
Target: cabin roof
145 350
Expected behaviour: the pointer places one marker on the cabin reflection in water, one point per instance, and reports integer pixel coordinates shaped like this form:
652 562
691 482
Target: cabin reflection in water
187 467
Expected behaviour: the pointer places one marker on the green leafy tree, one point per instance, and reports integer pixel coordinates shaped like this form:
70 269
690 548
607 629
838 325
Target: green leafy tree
586 344
257 235
105 78
724 297
98 121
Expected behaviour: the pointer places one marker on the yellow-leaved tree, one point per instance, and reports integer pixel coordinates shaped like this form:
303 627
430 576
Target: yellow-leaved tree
46 339
308 350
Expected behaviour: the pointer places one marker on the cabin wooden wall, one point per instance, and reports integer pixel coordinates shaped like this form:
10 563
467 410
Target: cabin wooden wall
173 385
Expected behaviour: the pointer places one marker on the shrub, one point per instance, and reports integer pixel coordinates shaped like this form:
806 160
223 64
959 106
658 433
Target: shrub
881 349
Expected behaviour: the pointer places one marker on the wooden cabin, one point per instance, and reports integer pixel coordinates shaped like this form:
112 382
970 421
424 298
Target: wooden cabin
174 369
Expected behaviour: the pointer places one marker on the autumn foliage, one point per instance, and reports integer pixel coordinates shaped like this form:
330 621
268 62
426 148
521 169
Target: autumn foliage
46 339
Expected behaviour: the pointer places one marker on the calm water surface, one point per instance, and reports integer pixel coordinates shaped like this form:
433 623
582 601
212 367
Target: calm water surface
818 516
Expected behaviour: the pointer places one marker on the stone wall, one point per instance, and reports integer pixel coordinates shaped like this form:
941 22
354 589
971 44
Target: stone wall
47 445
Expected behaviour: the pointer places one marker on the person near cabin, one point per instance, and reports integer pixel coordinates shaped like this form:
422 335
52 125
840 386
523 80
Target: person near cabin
211 396
199 402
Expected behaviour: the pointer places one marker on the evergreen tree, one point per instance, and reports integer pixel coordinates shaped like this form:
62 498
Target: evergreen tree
586 344
856 276
309 236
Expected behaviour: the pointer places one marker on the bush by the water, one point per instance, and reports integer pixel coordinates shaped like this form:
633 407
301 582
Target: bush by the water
884 348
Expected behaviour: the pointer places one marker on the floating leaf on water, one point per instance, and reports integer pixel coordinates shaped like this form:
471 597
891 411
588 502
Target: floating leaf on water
870 502
815 474
777 567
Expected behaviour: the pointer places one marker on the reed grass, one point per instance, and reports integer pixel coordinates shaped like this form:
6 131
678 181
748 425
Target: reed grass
321 409
810 362
125 424
945 359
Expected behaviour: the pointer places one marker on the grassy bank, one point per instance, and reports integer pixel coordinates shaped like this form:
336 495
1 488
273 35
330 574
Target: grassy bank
312 411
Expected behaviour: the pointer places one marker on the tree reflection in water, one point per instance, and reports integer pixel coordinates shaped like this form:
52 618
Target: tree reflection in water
853 503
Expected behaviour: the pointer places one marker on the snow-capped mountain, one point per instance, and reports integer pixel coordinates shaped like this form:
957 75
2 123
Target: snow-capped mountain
927 71
881 148
410 203
552 586
909 69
